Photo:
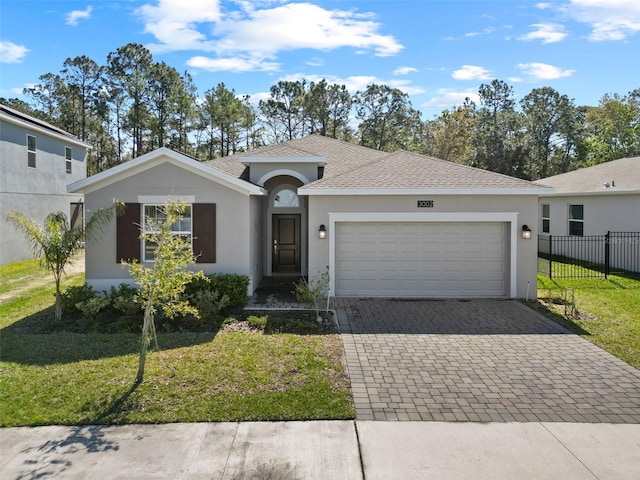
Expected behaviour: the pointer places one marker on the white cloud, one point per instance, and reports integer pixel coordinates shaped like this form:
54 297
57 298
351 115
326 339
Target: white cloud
608 19
173 23
315 62
304 25
75 16
547 32
448 98
404 70
485 31
237 64
471 72
543 71
259 30
543 5
12 53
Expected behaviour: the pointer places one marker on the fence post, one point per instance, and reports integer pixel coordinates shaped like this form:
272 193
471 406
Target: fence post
550 256
606 255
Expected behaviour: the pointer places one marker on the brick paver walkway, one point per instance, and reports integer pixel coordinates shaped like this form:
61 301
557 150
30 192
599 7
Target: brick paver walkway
479 361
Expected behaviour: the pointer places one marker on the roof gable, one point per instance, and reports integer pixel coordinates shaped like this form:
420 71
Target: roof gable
621 176
157 157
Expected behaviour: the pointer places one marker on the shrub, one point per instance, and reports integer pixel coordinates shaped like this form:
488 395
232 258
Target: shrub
92 307
225 284
123 300
209 303
72 296
258 322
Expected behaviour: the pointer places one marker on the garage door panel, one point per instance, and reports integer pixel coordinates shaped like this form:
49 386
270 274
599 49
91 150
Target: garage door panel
421 259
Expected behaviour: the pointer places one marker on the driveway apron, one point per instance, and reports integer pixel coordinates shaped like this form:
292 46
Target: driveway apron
479 361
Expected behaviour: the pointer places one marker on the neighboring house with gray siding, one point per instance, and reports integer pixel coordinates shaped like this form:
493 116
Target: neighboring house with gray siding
586 204
37 162
593 200
386 224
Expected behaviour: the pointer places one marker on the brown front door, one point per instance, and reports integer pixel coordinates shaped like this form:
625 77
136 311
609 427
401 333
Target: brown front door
286 244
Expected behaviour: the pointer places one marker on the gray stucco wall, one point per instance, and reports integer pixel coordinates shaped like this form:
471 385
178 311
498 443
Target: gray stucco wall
38 191
234 221
524 206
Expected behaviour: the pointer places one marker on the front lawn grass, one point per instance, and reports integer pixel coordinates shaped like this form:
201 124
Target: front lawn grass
70 379
608 311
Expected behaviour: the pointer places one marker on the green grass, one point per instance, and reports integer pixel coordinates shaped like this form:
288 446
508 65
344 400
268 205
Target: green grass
19 273
69 379
608 311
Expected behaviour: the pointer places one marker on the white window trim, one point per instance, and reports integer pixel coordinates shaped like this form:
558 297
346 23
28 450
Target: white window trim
576 220
506 217
68 166
543 218
143 242
34 151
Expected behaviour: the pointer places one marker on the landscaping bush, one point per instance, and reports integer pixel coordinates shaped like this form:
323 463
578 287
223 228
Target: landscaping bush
123 300
118 312
75 295
230 284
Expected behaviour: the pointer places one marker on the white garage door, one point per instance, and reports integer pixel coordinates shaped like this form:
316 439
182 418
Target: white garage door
421 259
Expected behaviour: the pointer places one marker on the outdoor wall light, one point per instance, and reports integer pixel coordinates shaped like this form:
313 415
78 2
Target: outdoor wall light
322 232
526 232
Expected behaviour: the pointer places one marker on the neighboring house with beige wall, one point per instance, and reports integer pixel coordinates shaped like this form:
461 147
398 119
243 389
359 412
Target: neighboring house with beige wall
593 200
37 162
386 224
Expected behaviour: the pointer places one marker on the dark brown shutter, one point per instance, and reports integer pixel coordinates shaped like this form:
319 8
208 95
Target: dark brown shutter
128 236
204 232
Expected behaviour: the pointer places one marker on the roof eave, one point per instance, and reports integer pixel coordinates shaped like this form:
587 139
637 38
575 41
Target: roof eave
66 137
592 193
423 191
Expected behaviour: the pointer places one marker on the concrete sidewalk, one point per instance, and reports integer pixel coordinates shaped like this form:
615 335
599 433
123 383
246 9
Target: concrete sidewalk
324 450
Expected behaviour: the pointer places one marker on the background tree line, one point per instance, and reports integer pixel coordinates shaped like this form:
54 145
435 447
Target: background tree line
132 105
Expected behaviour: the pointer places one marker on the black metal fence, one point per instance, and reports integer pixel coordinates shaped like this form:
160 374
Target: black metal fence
590 256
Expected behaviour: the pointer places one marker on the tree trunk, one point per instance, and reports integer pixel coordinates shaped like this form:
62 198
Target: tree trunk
144 343
58 308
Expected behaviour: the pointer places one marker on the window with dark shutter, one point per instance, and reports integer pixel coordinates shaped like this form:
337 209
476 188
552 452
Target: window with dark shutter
204 232
128 233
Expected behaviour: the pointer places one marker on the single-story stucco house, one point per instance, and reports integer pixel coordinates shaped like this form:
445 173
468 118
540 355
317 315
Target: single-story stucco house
593 200
386 224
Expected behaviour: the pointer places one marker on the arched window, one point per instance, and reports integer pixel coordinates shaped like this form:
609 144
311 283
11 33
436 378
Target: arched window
286 198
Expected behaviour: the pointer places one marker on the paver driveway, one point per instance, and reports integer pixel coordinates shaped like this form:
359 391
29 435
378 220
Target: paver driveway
480 361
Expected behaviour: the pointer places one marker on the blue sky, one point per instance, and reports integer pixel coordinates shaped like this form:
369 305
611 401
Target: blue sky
438 52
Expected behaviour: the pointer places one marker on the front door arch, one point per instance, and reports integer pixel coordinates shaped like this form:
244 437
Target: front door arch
285 225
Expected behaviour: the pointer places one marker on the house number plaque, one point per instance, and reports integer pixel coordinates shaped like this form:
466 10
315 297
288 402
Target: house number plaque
425 203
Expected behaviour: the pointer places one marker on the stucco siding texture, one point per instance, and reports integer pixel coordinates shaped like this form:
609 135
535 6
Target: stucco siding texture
34 192
233 222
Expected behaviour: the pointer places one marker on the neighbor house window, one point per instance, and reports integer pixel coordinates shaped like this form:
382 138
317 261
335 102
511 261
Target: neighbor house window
67 156
546 218
31 151
576 220
154 215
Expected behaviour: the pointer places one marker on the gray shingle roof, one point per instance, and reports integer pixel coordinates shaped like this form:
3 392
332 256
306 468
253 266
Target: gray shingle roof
406 170
341 156
351 166
624 173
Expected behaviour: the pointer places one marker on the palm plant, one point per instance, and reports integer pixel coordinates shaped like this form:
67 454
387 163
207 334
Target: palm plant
56 243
